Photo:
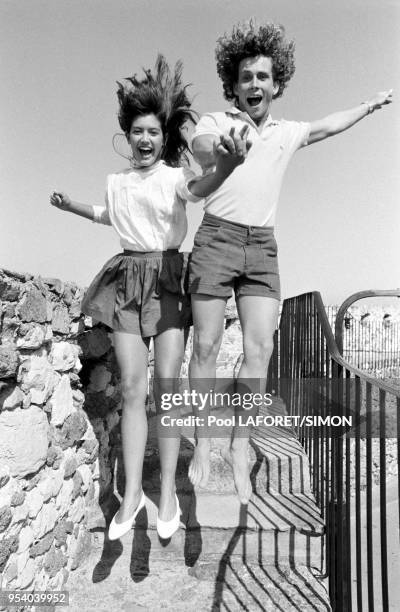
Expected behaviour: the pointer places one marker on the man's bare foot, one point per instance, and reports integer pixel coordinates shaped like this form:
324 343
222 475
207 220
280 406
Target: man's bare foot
167 507
199 469
239 462
128 507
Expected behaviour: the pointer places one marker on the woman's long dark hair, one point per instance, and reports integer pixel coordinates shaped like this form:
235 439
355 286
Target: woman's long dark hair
160 93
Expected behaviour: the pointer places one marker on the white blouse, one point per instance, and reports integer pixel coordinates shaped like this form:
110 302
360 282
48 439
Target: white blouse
147 206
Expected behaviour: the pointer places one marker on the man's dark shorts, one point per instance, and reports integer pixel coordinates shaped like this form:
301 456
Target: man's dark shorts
230 256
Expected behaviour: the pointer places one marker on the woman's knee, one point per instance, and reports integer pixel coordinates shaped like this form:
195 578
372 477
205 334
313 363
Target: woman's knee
133 390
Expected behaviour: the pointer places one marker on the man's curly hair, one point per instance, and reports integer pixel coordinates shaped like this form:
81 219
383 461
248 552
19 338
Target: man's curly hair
160 93
250 40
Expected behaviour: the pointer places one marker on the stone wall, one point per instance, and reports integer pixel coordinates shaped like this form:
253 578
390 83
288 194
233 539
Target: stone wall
59 400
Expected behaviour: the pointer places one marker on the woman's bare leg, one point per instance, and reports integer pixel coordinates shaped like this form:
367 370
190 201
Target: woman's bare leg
169 348
132 356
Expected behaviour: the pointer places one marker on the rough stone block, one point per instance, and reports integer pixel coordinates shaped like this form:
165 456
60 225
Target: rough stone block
60 321
30 482
64 356
42 546
9 289
61 401
94 343
34 500
78 397
25 539
37 376
73 429
8 362
54 561
98 405
86 476
61 532
54 284
9 330
70 467
11 396
18 498
49 312
75 309
33 306
100 376
77 510
95 518
31 337
63 501
26 577
45 520
82 549
24 440
20 514
10 310
68 295
4 475
7 547
50 484
52 454
5 518
11 571
77 478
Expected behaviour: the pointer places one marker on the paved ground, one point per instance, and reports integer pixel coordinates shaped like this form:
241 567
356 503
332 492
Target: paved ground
229 558
128 576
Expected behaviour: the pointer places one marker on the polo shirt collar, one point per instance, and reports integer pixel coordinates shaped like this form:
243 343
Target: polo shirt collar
235 111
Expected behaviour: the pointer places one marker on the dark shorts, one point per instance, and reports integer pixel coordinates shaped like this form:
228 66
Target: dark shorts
141 293
230 256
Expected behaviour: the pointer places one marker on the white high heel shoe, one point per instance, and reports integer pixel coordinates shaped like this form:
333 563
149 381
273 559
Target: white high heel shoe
166 529
117 530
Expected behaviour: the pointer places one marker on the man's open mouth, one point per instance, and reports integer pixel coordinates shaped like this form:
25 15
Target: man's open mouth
254 100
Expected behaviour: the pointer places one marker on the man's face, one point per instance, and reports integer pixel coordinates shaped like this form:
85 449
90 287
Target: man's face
255 87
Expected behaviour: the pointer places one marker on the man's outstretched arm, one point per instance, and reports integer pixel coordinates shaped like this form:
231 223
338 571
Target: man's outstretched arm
343 120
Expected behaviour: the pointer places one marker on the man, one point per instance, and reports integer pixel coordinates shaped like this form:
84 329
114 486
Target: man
235 248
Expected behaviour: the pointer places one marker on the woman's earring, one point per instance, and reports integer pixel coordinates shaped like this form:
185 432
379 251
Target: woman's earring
115 145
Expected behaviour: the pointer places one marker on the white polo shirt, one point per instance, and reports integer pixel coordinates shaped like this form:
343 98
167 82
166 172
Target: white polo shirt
147 206
250 194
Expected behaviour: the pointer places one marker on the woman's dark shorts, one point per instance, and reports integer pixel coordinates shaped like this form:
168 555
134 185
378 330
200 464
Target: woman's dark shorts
230 256
141 293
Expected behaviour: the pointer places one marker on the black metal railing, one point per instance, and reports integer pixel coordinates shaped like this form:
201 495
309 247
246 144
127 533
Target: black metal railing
353 446
367 342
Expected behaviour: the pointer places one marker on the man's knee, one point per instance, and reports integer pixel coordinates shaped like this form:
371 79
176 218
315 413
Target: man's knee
205 348
258 349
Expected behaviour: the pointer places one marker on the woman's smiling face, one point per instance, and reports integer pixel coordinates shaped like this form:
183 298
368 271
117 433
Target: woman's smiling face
146 139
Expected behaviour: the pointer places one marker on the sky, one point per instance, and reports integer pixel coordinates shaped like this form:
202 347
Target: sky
339 212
